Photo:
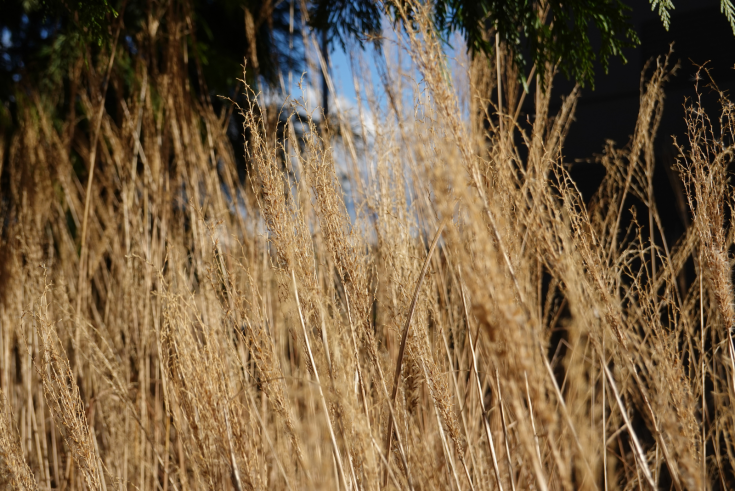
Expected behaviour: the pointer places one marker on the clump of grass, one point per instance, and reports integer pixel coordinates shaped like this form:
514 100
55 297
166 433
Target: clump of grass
14 471
427 302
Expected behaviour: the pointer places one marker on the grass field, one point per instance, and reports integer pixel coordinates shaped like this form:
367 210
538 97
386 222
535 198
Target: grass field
428 303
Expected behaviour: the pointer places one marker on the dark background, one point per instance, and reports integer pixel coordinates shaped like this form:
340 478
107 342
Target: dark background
700 33
701 36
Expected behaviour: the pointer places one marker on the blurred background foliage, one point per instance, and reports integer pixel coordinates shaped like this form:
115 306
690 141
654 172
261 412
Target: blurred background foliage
44 42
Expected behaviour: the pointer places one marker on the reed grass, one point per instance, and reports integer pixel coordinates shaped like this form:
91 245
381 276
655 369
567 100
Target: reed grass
173 325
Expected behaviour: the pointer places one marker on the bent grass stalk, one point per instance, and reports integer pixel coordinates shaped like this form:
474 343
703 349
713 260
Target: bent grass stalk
404 337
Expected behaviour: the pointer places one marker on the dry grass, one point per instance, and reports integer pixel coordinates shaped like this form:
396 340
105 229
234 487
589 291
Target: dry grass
280 333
